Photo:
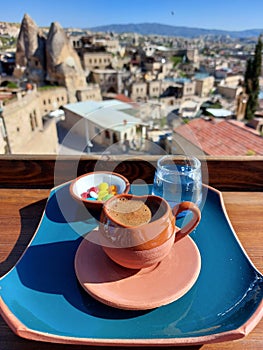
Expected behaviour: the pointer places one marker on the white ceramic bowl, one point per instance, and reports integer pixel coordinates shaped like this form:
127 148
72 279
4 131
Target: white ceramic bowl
84 182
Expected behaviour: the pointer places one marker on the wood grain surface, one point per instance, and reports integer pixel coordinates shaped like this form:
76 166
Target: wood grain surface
21 211
223 173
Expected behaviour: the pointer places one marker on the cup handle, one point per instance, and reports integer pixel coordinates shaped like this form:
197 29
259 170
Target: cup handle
191 225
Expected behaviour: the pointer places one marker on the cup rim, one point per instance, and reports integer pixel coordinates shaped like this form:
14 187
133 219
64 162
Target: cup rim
160 199
197 163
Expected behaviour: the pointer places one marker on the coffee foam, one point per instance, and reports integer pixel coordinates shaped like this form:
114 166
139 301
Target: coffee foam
129 212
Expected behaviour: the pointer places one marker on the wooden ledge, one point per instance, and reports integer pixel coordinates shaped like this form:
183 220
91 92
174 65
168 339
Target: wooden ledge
241 173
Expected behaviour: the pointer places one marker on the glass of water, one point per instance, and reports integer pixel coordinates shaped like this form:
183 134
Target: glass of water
178 179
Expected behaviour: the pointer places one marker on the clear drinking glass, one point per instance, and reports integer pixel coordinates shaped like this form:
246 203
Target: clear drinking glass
178 179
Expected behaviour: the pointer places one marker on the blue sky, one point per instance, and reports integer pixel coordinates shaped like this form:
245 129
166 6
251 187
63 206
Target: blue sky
220 14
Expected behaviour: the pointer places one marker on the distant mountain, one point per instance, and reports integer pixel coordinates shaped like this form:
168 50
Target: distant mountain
168 30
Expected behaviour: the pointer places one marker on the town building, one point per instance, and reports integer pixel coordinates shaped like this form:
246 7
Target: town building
105 123
96 60
177 90
204 86
92 93
138 91
51 98
230 87
109 80
23 126
94 42
154 88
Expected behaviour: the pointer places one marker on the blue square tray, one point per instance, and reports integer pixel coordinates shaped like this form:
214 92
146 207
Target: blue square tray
41 299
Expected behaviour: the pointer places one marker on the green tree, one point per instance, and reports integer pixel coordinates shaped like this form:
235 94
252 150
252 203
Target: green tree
251 80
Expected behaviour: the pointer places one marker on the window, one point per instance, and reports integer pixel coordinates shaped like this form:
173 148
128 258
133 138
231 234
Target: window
32 122
35 118
107 134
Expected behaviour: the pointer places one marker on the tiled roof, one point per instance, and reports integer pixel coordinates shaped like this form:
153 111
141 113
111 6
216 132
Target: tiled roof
226 137
123 98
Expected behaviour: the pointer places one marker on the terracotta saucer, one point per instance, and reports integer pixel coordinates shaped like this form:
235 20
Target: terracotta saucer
142 289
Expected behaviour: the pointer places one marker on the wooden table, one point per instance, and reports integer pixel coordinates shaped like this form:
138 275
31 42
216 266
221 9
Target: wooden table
20 213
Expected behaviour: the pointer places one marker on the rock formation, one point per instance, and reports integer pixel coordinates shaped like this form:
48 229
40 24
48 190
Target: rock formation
63 62
11 29
30 52
49 59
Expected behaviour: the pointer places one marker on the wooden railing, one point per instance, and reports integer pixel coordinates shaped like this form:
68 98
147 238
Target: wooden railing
223 173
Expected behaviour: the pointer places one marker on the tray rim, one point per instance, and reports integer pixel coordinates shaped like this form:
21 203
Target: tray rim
25 332
21 330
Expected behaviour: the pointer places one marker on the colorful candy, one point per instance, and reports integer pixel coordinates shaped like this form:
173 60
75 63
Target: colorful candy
102 192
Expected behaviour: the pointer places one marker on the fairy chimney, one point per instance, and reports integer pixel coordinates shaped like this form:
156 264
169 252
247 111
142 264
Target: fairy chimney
30 51
63 62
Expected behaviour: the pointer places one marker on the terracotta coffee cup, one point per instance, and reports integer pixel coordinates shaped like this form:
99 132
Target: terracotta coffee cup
142 245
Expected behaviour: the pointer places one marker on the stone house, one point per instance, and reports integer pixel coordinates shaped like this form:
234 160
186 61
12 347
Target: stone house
109 80
188 68
154 88
204 86
51 99
152 65
233 80
177 91
103 122
229 92
168 100
138 91
167 67
231 86
111 45
96 60
81 42
75 40
193 56
91 92
25 129
188 89
189 108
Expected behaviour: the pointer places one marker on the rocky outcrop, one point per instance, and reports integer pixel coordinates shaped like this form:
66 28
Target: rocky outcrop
10 29
30 52
63 62
49 59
